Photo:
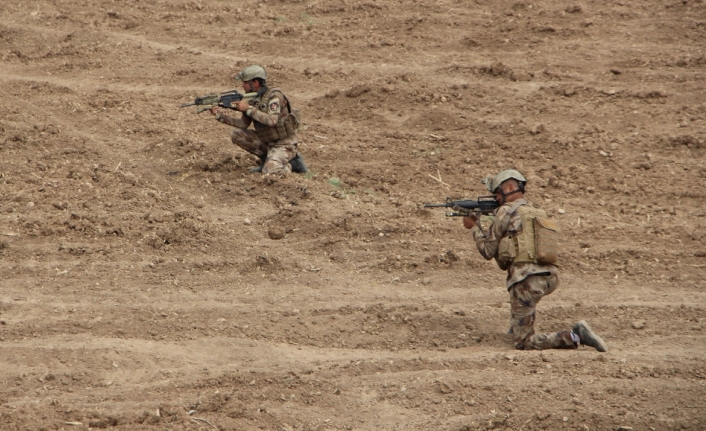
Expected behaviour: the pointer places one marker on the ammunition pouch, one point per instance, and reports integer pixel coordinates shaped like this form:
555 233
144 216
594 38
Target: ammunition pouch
507 250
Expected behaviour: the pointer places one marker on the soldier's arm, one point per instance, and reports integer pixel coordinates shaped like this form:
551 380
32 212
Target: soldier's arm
269 116
487 243
242 123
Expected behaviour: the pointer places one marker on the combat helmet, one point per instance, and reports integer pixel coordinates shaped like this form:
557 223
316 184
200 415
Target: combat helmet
493 183
251 72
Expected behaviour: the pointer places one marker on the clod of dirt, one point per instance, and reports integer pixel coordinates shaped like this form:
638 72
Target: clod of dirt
497 69
638 324
275 233
444 388
358 90
574 9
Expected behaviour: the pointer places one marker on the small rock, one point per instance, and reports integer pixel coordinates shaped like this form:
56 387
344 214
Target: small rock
275 233
247 222
536 130
30 204
615 71
561 211
638 324
574 9
623 428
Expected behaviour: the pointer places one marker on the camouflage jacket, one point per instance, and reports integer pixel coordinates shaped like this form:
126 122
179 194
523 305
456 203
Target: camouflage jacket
263 114
488 245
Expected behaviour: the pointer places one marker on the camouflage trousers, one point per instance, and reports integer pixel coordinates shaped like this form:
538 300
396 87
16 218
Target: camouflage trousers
276 154
524 297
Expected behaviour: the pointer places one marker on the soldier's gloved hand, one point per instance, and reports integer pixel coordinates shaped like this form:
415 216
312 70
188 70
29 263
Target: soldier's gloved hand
470 221
214 110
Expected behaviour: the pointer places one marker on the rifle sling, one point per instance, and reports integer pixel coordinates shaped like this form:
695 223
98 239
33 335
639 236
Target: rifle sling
506 220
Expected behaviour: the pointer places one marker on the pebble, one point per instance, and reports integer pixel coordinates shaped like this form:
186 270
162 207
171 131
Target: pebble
561 211
30 204
638 324
247 221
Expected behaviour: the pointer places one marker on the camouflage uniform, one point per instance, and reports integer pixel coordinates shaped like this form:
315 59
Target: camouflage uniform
264 114
527 283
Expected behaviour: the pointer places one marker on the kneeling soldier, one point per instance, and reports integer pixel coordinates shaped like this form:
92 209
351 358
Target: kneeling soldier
523 241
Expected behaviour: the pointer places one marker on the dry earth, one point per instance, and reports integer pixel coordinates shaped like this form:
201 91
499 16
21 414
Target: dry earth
150 282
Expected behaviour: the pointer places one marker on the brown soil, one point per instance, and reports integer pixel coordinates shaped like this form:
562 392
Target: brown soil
150 282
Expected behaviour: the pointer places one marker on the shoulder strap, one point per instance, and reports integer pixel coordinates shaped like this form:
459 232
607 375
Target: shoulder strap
506 220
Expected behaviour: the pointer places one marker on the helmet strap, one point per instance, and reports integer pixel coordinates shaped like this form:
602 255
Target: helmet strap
505 195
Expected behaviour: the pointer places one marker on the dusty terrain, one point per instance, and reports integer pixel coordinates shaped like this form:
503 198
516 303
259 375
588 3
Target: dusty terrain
148 281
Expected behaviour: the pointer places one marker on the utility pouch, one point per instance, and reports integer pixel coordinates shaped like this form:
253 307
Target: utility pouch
506 249
546 238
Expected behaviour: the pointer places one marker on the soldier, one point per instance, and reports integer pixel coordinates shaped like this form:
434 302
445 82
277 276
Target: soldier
528 278
274 138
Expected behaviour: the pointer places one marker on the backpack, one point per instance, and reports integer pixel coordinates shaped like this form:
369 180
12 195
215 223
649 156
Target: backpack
538 242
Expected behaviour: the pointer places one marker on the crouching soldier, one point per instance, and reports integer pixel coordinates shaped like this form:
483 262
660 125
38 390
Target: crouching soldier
273 137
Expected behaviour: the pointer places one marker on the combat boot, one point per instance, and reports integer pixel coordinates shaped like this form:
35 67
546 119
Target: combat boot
588 337
257 169
298 164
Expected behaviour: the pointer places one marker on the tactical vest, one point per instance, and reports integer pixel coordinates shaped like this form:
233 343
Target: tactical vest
287 124
537 242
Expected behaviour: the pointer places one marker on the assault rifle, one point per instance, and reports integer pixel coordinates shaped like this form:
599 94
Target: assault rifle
224 100
483 206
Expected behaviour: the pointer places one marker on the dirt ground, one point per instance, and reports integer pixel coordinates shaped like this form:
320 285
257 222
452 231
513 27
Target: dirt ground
149 281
